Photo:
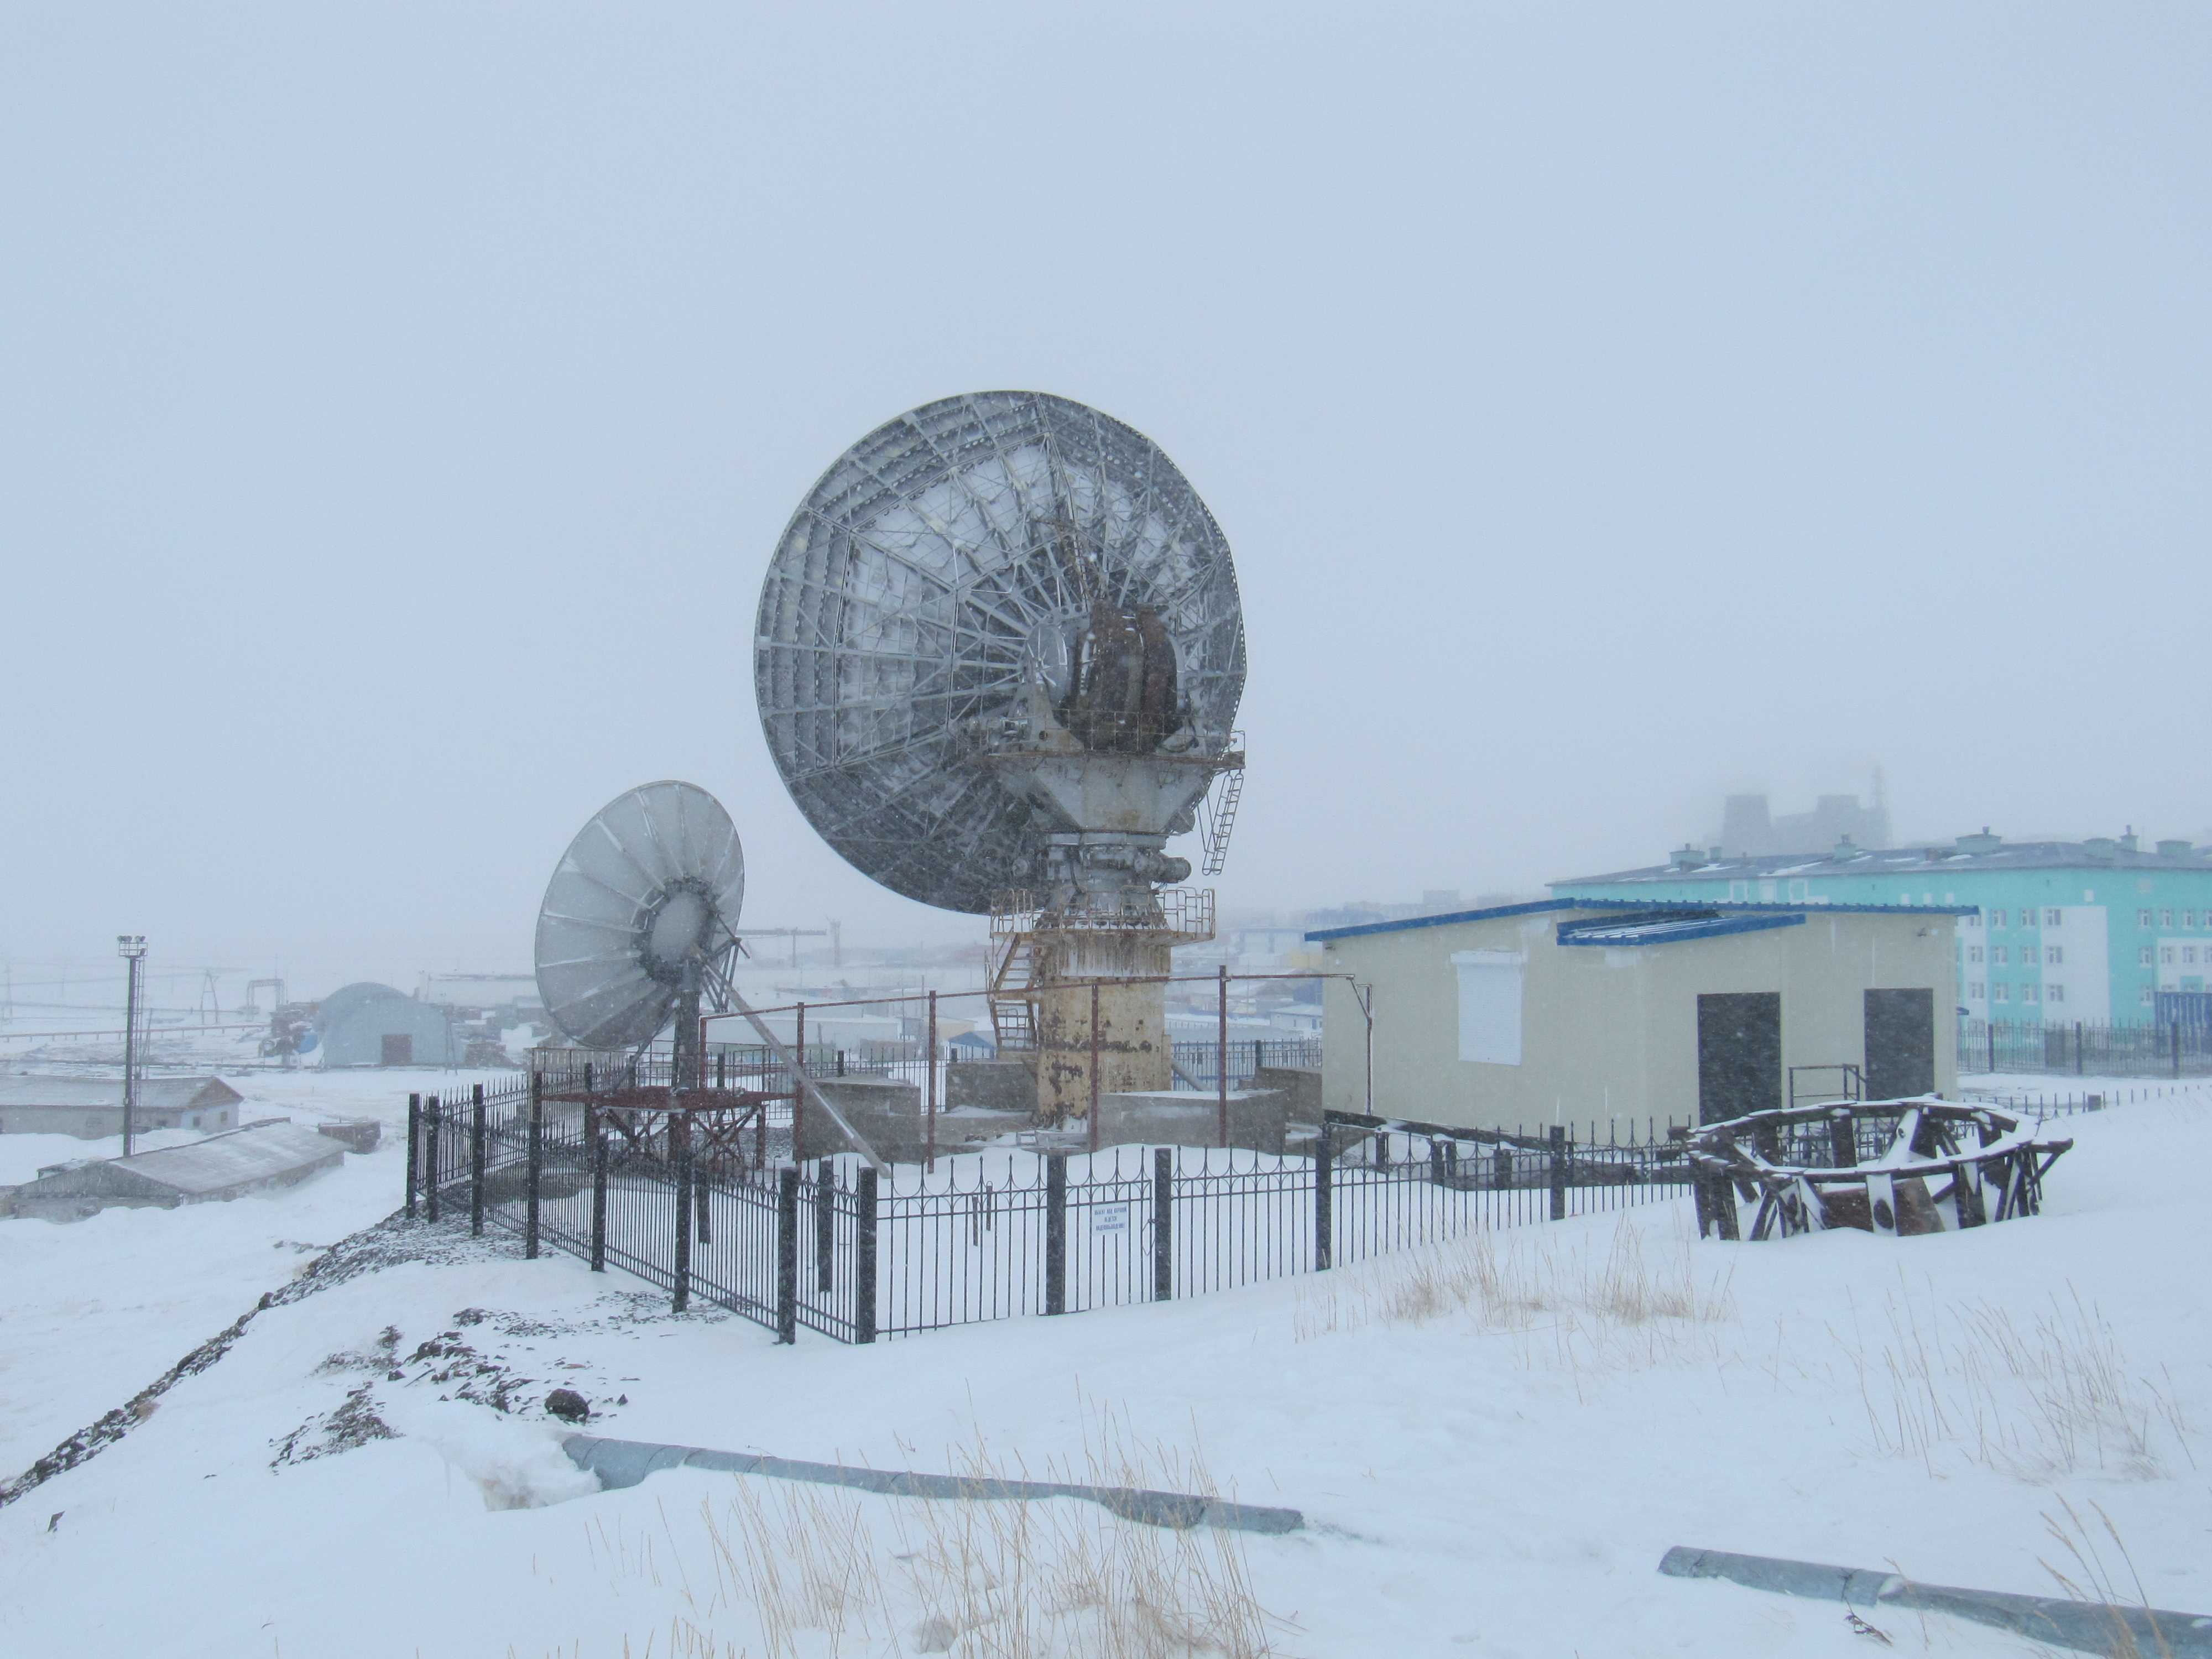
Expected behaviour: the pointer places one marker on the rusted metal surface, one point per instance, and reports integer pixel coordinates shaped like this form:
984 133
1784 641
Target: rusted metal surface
1895 1168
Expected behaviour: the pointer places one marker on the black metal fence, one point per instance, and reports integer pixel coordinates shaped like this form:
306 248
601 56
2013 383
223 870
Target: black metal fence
832 1247
2086 1048
2043 1105
1196 1063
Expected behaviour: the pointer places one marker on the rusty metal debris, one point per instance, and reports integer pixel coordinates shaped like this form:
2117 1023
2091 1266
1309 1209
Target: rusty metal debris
1893 1167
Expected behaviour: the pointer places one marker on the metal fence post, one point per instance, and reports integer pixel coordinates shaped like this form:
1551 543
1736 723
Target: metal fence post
2177 1048
865 1243
1324 1195
1558 1172
1163 1224
929 1090
476 1159
798 1087
1221 1056
414 1149
1055 1233
430 1138
595 1131
679 1131
1093 1119
787 1253
535 1170
826 1225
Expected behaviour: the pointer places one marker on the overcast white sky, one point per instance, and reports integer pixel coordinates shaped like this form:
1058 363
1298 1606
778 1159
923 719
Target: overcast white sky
1608 407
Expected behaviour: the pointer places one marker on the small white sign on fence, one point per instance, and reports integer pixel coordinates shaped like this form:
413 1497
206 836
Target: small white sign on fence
1109 1218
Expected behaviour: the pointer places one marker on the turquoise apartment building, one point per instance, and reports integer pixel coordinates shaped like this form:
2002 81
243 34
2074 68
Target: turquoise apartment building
2091 931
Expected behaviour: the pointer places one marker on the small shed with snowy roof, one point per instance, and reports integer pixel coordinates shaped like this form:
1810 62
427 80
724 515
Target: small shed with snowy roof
90 1107
1597 1011
227 1166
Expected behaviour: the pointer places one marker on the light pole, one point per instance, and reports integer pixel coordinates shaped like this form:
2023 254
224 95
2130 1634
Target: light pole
132 947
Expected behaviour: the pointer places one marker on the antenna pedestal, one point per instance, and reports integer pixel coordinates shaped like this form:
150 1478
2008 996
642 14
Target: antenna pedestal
1126 952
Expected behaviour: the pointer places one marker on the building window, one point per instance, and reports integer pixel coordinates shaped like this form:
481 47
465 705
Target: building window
2166 918
1800 891
1905 898
1974 988
2027 994
2142 918
2145 995
2165 955
2053 918
1739 891
2189 918
2000 992
2142 957
2053 955
1973 953
1975 920
2189 955
1489 1006
1997 918
2000 955
2054 993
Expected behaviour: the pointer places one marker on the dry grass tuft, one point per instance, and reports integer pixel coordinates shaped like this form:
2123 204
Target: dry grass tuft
2089 1578
1624 1303
822 1572
2037 1396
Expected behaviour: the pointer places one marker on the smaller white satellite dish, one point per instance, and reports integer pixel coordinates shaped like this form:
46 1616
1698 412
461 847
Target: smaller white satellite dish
640 916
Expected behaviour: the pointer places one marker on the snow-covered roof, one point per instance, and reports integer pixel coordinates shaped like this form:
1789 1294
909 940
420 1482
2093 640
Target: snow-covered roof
156 1094
1539 907
237 1159
1668 929
1985 853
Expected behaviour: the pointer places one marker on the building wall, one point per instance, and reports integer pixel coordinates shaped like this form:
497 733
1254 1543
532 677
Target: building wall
96 1122
1610 1034
355 1037
2108 918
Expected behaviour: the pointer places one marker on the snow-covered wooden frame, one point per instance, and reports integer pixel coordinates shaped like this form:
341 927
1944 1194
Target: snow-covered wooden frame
1806 1169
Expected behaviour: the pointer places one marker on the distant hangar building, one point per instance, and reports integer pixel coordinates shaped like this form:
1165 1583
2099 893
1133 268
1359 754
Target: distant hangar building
371 1024
1627 1013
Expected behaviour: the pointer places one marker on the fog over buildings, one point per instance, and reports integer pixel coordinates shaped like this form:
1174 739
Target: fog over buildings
1611 411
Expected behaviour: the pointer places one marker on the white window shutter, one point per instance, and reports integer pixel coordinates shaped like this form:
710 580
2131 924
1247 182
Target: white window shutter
1489 1006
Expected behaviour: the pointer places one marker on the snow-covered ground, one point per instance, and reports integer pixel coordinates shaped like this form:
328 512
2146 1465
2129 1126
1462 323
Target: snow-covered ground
1494 1443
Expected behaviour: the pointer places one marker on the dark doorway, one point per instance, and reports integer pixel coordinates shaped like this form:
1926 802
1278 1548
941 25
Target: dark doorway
398 1051
1900 1043
1739 1053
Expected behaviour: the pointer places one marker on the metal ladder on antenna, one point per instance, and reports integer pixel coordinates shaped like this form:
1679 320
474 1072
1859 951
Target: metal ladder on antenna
1013 1010
1221 817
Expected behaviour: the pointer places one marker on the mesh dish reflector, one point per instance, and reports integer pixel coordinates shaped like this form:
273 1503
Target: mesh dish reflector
654 882
929 564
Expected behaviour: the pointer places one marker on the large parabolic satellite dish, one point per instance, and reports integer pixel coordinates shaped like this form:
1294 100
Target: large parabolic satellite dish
986 575
640 917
